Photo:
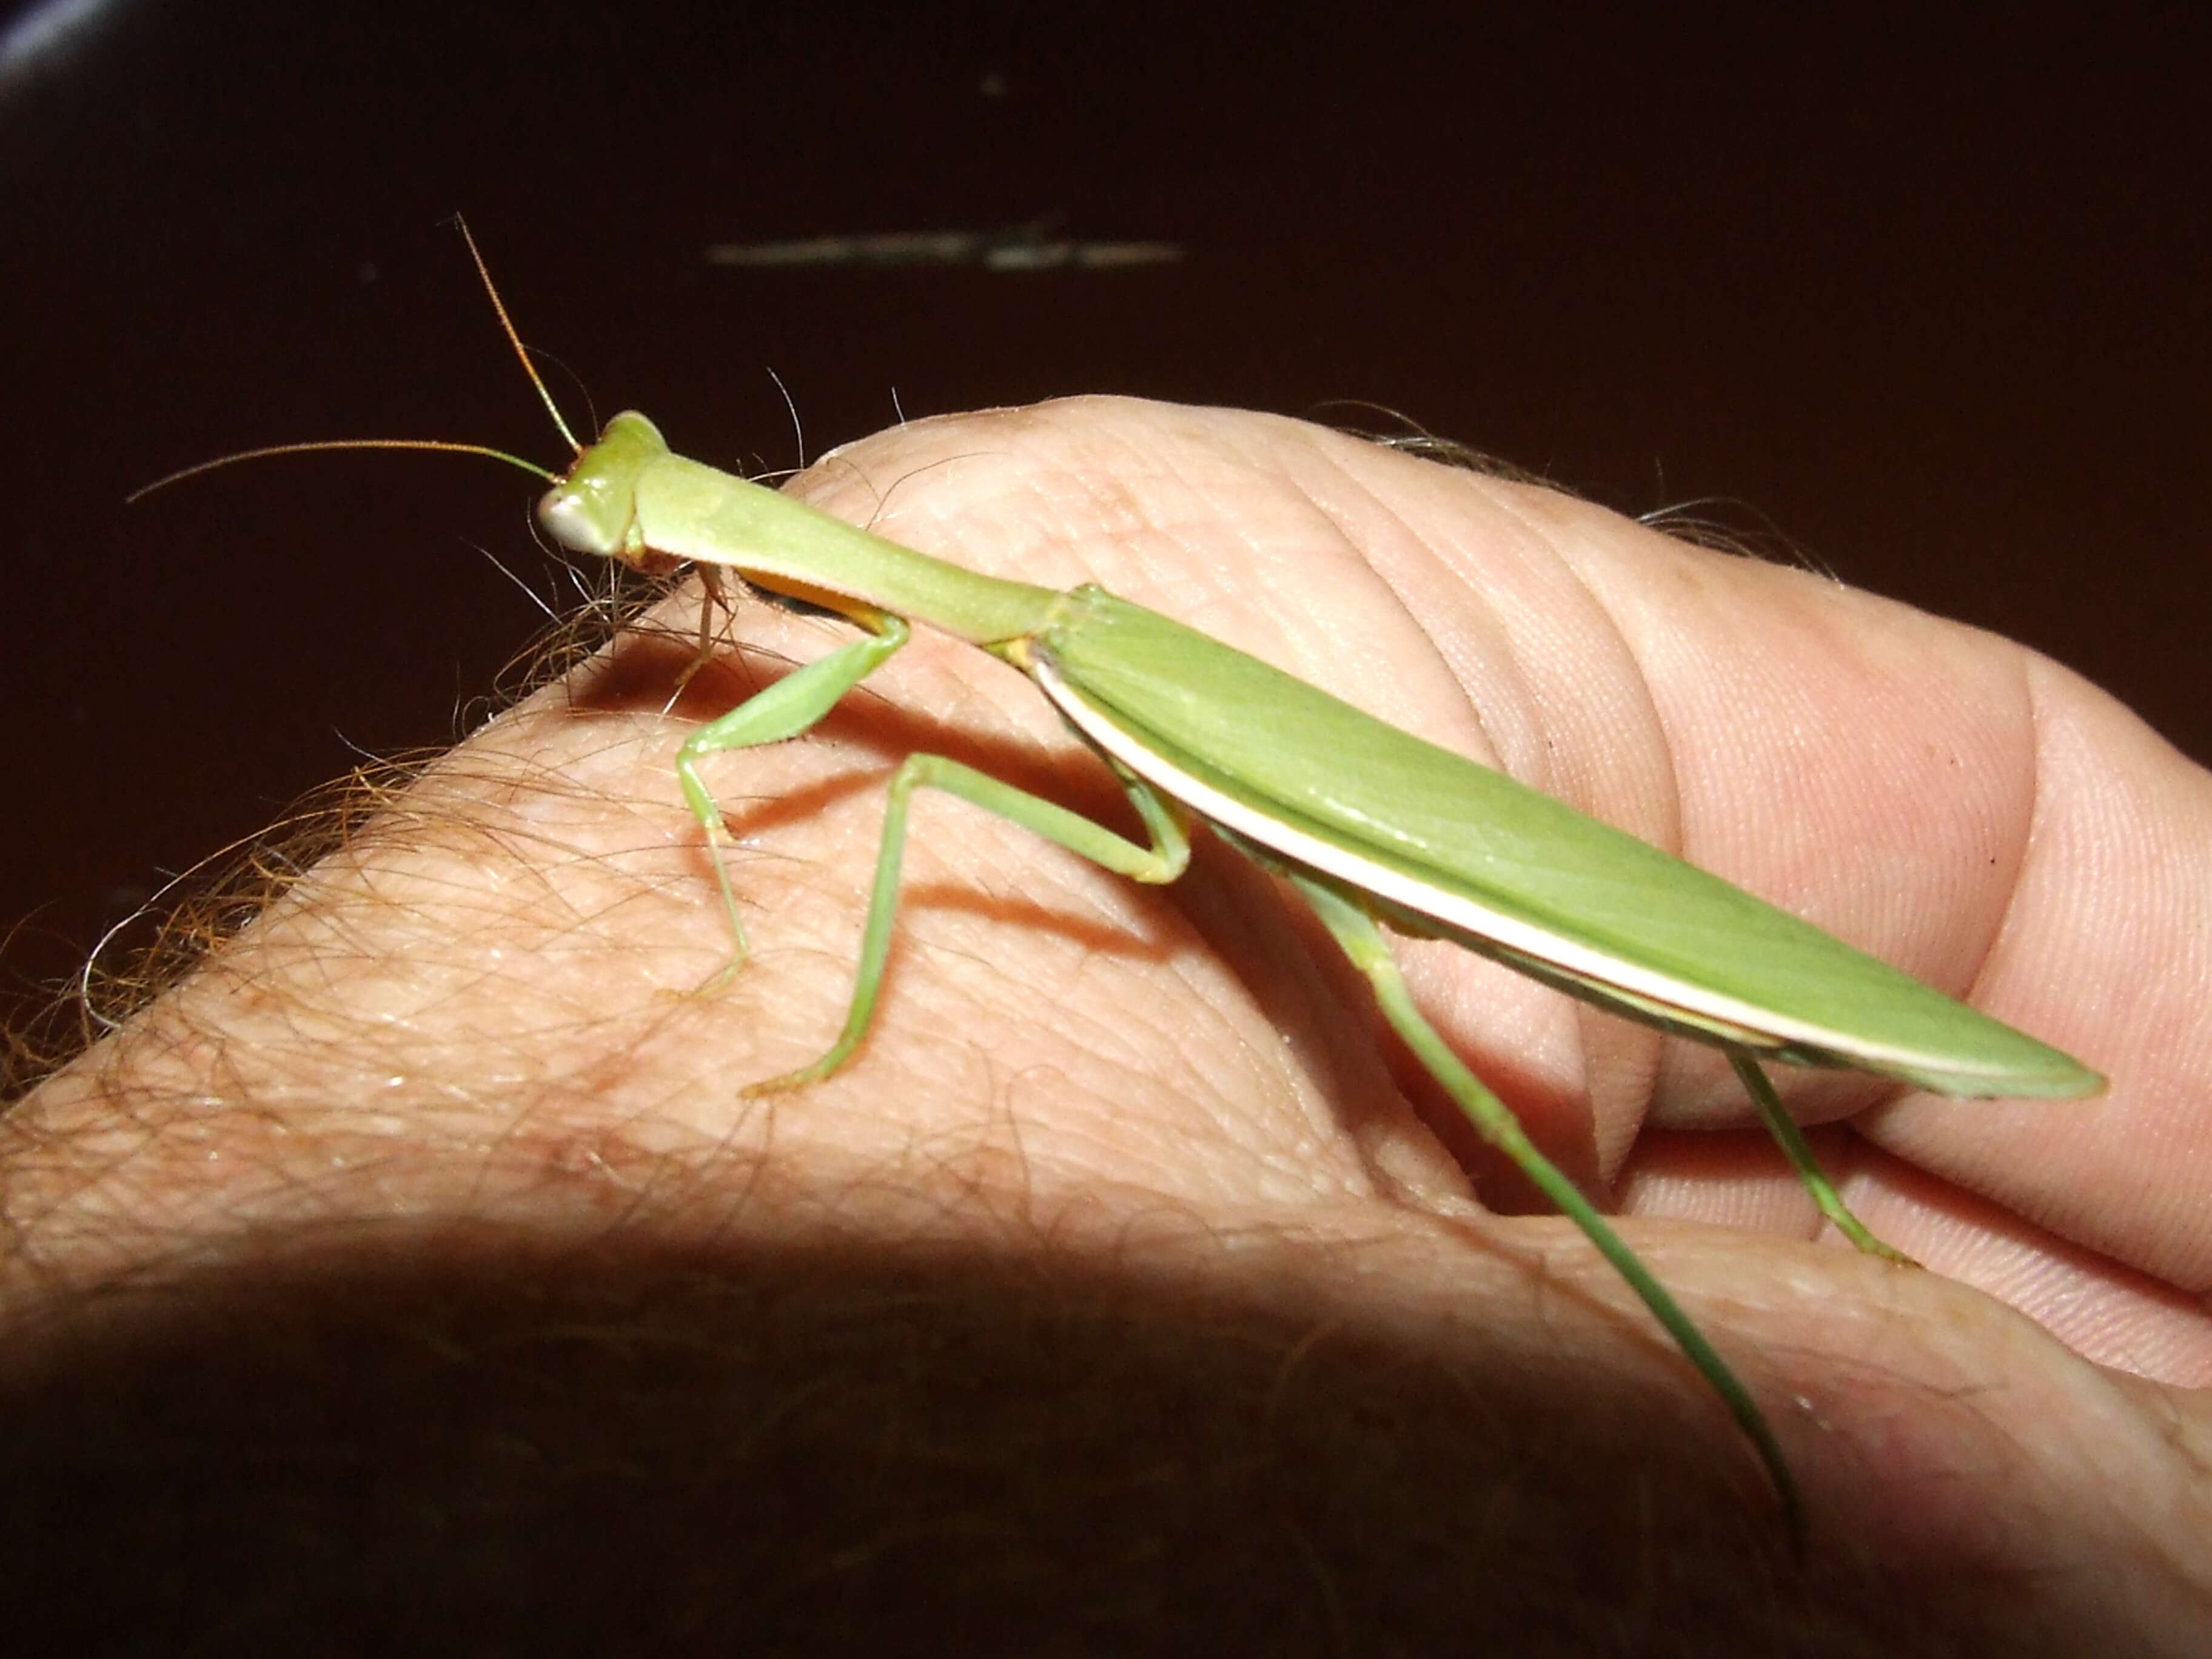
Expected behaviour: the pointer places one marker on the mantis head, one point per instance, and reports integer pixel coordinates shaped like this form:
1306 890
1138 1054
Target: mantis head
593 508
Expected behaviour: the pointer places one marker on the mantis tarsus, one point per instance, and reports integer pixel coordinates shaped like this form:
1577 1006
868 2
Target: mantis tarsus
1368 824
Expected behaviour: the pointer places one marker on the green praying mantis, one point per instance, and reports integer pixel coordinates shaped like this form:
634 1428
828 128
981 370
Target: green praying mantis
1369 824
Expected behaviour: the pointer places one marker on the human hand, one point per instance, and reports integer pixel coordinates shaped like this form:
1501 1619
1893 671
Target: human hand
472 1028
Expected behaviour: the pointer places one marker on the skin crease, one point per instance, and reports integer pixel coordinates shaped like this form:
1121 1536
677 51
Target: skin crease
463 1056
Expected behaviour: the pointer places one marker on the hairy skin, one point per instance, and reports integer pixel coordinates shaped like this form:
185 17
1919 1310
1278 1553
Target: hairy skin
415 1267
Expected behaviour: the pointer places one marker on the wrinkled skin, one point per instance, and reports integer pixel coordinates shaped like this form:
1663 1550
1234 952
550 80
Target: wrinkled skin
1141 1159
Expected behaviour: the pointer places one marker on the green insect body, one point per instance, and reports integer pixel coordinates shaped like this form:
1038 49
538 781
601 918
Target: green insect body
1369 824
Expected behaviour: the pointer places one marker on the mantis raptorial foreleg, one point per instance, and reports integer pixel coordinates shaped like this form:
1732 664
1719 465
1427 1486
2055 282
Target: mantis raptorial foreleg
794 704
797 702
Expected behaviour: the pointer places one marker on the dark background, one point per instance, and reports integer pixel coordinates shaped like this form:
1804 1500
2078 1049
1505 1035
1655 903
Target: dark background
1928 292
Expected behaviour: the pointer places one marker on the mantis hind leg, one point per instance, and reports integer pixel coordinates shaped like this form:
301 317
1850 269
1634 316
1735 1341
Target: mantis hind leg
1354 929
1792 1139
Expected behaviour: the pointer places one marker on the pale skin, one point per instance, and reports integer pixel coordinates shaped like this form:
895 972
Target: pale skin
485 1014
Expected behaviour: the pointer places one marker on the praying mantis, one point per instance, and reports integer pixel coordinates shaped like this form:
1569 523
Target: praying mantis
1368 825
